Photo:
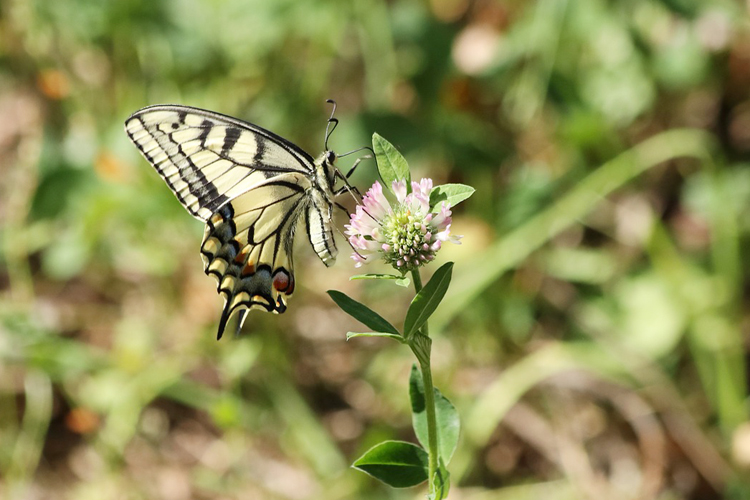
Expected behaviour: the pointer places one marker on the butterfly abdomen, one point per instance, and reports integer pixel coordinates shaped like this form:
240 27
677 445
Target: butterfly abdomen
320 228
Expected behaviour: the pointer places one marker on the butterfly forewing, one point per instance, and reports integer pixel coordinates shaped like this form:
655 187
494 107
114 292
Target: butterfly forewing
251 187
208 159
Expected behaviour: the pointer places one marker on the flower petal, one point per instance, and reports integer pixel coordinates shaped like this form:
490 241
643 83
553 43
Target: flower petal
399 189
375 203
422 188
443 217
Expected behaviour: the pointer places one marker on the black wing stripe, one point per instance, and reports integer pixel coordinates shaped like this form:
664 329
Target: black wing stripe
206 168
304 159
185 146
158 168
203 189
207 127
229 141
231 136
260 152
286 184
228 187
205 192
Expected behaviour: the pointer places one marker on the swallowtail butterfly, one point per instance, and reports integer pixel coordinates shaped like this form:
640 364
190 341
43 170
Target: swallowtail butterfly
251 188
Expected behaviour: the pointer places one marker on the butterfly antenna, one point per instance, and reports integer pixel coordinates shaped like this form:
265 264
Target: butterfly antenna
357 151
331 120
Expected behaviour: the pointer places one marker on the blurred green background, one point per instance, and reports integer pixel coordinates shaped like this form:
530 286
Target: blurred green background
594 338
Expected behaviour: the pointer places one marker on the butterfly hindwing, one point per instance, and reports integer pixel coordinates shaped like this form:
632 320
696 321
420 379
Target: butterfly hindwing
247 247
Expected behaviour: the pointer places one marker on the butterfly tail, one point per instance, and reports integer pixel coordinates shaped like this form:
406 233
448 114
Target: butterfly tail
241 315
230 315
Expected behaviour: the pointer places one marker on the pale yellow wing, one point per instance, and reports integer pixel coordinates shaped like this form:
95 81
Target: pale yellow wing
207 158
247 247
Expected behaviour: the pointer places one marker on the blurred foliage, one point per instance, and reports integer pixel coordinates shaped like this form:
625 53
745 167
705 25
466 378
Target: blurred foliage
595 344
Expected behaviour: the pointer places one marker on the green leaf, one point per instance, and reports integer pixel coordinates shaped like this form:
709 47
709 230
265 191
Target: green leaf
448 423
351 335
427 300
440 483
391 164
362 313
397 463
399 280
421 346
452 193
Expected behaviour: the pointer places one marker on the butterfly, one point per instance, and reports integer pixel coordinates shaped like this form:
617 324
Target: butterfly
251 187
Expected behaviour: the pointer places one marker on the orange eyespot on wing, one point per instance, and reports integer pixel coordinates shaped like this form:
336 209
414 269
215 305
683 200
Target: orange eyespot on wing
283 281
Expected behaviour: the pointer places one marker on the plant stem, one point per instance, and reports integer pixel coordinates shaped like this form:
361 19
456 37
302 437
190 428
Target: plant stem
421 345
417 279
432 438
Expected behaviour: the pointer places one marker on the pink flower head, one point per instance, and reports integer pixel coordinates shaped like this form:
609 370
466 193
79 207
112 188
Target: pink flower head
407 234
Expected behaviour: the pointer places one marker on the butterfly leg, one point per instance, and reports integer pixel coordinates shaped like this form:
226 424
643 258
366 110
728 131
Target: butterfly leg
356 164
348 187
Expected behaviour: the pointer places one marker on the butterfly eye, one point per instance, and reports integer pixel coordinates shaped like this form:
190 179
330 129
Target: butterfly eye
330 157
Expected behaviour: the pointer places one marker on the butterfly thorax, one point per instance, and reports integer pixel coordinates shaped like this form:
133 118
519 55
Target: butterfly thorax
325 172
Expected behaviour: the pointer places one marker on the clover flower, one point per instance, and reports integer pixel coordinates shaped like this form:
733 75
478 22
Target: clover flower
407 234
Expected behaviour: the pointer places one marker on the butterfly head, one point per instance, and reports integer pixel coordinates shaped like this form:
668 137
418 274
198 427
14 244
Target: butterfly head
330 157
